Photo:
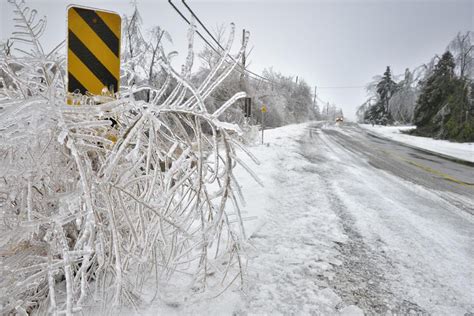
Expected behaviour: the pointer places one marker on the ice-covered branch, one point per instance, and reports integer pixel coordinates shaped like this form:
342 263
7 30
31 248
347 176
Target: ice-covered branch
95 198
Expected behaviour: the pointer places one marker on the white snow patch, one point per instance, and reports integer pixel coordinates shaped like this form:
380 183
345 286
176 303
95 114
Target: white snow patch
464 151
294 232
292 236
351 310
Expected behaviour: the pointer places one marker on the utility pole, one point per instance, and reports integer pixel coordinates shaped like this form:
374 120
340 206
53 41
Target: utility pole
242 75
315 93
243 86
296 79
263 109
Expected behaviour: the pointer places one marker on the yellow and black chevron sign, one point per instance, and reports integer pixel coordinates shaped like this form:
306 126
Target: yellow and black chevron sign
93 50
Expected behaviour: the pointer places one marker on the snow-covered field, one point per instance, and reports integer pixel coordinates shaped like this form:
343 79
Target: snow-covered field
464 151
328 237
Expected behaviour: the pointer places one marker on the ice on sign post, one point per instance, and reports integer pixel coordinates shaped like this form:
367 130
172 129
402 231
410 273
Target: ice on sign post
93 59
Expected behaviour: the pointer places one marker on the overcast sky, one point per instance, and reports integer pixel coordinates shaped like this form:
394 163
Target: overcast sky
327 43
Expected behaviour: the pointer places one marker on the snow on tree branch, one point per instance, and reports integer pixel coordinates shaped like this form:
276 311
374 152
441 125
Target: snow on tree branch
99 199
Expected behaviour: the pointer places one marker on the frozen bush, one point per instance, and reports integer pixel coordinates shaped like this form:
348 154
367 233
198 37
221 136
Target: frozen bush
90 213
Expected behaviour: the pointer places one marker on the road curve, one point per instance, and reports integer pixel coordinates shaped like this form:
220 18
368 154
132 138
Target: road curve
409 218
411 164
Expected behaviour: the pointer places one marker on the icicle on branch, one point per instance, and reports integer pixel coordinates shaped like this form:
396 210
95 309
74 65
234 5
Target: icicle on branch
96 197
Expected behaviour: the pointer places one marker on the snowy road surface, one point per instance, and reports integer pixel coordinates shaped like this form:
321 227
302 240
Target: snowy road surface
464 151
417 166
354 220
352 224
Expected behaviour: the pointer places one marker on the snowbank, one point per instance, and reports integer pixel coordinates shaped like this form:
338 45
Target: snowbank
292 237
464 151
318 236
256 195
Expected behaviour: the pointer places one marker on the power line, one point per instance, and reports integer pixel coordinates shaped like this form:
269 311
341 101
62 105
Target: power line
342 87
202 24
252 74
187 21
213 48
219 44
321 100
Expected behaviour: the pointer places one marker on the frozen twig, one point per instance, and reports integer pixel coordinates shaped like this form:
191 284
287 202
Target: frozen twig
89 216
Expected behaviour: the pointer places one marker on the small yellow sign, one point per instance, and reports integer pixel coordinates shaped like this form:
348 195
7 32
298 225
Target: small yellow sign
264 109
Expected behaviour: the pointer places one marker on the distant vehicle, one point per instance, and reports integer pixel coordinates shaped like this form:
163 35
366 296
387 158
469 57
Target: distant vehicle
339 119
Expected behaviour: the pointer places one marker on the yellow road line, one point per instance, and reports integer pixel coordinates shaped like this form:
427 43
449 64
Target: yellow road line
430 170
438 173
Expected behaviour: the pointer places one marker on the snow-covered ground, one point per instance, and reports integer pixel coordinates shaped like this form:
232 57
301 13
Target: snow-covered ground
290 241
464 151
330 240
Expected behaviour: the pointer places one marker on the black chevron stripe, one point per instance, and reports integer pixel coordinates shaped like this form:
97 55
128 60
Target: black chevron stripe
100 28
74 84
94 65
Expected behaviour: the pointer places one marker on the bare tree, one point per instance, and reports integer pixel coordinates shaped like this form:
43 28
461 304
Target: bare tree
6 48
462 48
403 101
208 56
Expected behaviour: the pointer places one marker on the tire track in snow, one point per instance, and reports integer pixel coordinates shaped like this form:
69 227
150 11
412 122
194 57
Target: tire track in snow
360 280
425 238
294 253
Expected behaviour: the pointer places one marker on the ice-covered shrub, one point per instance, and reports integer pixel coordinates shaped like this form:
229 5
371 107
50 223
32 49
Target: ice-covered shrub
92 213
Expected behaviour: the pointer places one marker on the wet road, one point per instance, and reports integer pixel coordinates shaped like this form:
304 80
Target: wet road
454 178
359 224
408 216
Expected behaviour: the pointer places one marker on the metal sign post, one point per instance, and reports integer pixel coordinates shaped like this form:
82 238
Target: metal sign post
263 110
247 107
93 58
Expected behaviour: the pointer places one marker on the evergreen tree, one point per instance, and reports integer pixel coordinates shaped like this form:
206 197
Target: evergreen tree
443 108
437 97
386 87
437 87
379 112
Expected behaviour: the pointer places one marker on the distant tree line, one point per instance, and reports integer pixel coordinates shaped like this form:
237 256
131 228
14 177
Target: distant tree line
436 97
287 99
